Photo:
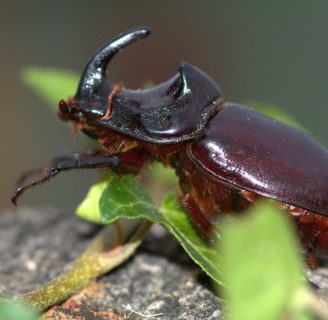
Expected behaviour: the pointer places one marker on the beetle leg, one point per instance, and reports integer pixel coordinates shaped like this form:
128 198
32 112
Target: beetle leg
82 154
198 219
85 160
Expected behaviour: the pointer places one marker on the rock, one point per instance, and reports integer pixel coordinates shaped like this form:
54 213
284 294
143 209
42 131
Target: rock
37 245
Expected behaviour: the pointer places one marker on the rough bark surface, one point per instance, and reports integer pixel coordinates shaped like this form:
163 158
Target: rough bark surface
36 245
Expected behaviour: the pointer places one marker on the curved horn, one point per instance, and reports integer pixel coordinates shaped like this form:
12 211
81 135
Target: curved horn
95 71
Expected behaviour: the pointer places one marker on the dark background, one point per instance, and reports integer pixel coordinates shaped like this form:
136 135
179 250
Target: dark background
274 52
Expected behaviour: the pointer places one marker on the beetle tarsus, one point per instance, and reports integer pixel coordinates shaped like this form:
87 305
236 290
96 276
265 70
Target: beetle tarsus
21 189
86 153
74 161
24 177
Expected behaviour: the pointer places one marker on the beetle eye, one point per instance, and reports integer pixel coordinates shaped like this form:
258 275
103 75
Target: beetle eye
63 106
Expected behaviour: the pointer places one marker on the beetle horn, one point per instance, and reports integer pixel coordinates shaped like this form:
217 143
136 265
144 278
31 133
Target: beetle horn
95 71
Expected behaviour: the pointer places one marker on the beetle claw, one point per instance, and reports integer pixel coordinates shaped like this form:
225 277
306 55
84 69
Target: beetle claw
21 180
51 172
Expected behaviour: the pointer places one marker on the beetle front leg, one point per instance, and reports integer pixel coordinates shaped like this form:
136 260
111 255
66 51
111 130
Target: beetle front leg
78 160
86 153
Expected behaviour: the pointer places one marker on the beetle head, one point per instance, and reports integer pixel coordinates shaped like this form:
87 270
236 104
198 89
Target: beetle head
90 101
171 112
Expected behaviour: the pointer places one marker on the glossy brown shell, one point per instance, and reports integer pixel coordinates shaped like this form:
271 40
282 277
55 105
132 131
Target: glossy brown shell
172 112
258 154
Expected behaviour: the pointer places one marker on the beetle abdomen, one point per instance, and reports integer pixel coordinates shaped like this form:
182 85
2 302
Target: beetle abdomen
261 155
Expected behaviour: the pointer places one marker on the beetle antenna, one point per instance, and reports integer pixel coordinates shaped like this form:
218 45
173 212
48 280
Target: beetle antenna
95 71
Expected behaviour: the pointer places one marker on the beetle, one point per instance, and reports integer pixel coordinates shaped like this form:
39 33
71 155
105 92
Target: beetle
226 155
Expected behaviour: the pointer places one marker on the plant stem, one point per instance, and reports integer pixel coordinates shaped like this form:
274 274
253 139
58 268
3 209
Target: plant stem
94 262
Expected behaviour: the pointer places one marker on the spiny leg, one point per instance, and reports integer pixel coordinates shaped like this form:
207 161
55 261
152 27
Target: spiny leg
78 160
86 153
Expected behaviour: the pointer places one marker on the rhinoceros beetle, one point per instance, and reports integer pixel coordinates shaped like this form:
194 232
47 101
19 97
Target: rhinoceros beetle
226 155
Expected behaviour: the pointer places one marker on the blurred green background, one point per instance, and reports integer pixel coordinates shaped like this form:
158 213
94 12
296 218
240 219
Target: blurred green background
275 52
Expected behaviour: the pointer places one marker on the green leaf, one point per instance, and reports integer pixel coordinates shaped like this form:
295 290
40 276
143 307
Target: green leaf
177 222
125 198
260 264
51 84
11 310
276 113
163 175
89 207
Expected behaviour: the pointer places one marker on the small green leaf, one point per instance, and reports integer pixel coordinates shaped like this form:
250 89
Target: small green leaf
89 207
11 310
125 198
260 264
51 84
177 222
163 175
